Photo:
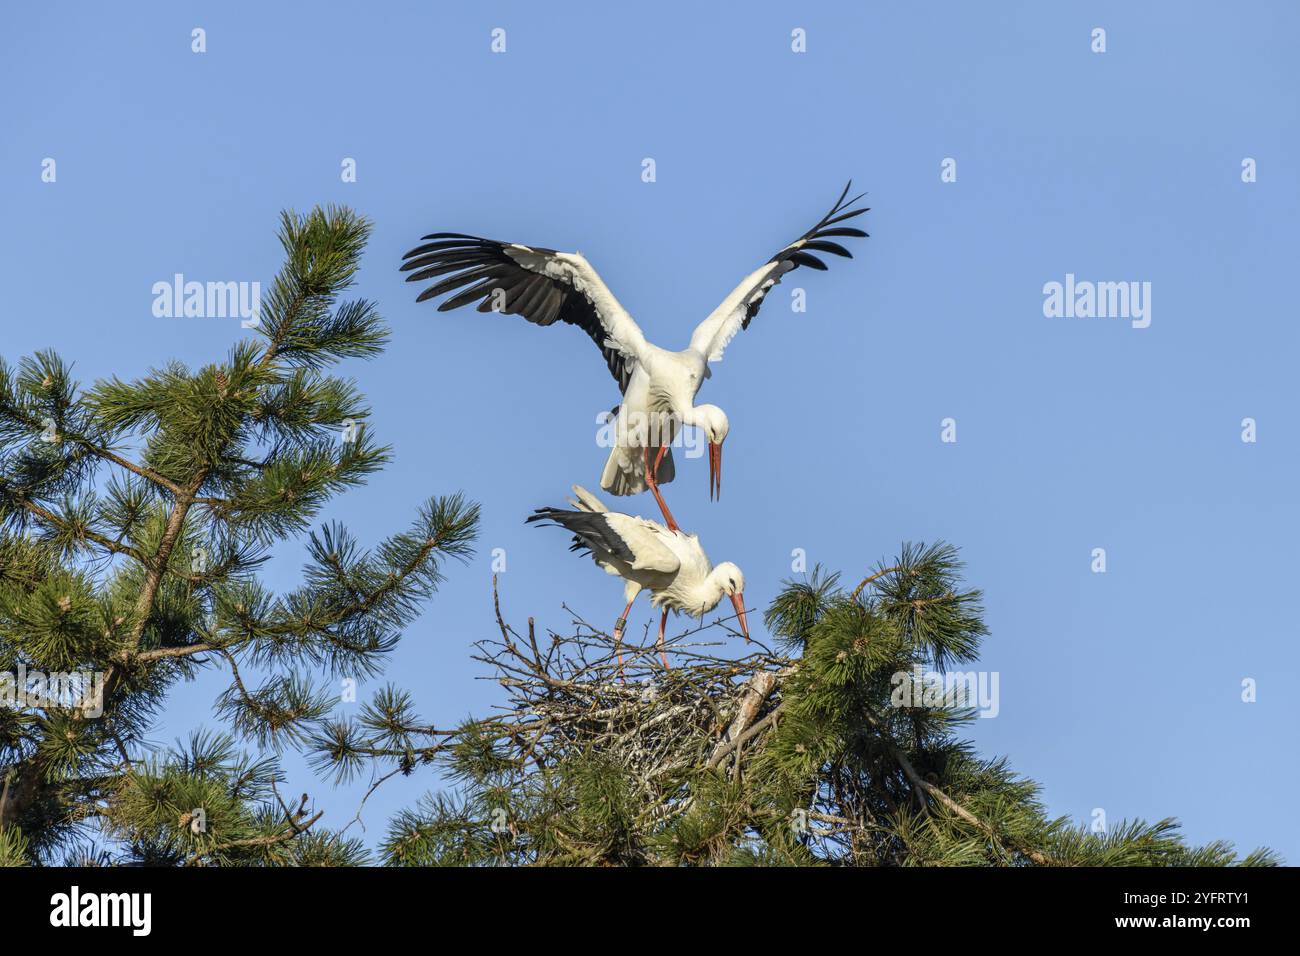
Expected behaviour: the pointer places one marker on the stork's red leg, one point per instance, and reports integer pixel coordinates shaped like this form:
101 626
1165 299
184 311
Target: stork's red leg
663 624
618 636
663 450
654 486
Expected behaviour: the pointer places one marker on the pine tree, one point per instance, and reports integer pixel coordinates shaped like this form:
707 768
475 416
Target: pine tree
806 754
134 516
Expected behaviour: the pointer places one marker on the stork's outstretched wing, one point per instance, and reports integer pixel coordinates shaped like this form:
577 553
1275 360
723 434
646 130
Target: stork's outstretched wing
713 334
542 285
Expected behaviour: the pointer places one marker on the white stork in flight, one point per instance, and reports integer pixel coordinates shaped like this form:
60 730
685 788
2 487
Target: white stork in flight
658 386
668 563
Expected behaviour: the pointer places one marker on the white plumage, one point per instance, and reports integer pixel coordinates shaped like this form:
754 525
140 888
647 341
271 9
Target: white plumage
648 556
658 385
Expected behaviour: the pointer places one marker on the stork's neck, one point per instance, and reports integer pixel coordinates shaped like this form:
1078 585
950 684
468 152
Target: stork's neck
705 595
686 412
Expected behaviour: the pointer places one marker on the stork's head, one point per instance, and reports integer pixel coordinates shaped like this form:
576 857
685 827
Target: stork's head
731 582
713 422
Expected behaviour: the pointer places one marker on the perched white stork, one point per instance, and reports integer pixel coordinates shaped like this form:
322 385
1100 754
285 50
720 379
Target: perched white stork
658 386
668 563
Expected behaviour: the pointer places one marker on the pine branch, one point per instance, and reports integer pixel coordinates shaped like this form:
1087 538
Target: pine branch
233 458
711 763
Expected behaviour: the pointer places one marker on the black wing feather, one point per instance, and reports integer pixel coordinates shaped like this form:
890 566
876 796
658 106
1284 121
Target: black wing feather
816 239
591 532
844 231
811 261
485 266
823 245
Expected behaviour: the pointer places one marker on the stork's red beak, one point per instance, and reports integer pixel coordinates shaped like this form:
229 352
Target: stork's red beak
738 602
715 470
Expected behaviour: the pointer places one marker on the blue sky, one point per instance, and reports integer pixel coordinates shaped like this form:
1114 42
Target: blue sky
1120 690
